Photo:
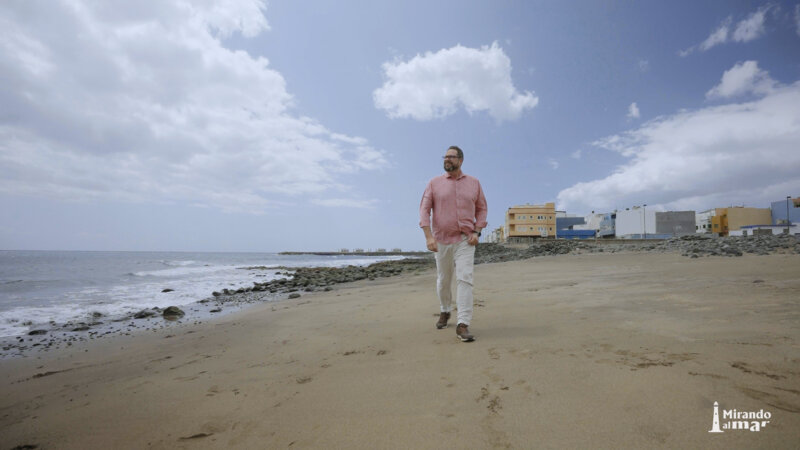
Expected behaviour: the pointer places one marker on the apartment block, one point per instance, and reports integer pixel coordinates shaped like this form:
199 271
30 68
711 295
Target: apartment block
527 221
734 218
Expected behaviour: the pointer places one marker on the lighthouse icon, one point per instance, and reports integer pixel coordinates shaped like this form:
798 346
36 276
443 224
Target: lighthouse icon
715 424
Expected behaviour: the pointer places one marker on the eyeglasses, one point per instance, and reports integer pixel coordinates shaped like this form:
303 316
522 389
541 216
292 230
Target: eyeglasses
449 157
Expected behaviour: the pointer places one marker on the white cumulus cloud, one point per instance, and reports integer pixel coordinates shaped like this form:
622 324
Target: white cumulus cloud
633 111
141 101
743 78
738 153
436 85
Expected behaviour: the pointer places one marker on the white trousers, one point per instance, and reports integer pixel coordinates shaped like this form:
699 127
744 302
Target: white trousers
455 258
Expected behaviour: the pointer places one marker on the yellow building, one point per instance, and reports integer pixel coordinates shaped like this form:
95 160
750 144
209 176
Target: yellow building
726 220
530 221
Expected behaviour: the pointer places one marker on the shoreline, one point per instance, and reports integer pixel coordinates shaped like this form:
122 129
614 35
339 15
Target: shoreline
415 254
301 281
634 346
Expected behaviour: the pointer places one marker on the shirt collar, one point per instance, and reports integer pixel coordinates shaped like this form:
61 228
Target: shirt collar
447 174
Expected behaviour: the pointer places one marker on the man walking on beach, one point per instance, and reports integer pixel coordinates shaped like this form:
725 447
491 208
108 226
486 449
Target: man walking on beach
459 214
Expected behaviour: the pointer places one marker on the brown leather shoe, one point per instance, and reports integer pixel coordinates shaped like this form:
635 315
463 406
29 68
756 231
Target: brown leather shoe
462 332
443 318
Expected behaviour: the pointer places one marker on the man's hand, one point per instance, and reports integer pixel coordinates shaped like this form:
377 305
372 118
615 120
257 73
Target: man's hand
432 245
472 239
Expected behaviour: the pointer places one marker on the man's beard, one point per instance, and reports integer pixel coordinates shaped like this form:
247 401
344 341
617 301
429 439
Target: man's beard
450 167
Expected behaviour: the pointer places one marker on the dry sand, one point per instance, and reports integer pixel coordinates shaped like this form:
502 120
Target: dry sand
576 351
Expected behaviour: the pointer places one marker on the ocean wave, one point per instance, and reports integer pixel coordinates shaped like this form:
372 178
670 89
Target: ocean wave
181 271
178 263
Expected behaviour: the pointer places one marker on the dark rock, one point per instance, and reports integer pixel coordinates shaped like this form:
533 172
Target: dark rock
294 295
35 332
173 311
144 314
167 290
215 310
216 294
81 328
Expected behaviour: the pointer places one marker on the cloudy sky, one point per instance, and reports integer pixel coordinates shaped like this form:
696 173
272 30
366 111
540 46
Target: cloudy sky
248 125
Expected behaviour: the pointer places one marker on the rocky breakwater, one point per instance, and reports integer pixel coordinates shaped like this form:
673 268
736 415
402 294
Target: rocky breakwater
695 246
309 279
692 246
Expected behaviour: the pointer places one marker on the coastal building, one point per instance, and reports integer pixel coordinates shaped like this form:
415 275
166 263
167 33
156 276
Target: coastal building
495 236
702 221
566 227
639 223
734 218
783 209
566 221
608 226
590 222
759 230
635 223
526 222
675 223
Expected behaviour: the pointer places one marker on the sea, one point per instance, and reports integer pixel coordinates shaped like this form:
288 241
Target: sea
38 288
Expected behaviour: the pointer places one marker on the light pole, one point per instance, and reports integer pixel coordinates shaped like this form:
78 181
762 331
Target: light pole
788 224
645 221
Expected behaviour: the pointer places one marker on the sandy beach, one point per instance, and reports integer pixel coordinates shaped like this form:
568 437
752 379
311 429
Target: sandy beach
627 350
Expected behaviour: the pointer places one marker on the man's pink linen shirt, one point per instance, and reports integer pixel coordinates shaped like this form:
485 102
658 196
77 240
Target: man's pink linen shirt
459 206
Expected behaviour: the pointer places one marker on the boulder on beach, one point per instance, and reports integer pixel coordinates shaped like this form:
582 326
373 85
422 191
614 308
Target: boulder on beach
144 314
173 311
167 290
35 332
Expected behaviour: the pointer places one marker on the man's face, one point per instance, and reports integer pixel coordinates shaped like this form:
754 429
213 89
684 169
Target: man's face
451 161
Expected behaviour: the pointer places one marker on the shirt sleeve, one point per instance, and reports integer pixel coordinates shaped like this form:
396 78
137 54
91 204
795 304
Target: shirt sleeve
481 209
425 206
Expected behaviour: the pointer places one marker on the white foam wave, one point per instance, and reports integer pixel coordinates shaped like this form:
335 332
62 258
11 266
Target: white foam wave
179 263
189 283
182 271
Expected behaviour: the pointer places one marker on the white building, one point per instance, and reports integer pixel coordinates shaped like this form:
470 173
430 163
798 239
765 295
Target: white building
634 223
703 221
752 230
592 222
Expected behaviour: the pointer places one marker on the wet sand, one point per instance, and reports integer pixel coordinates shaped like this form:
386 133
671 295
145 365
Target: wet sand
628 350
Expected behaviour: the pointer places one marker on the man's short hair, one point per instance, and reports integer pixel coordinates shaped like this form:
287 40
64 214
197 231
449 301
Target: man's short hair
460 153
